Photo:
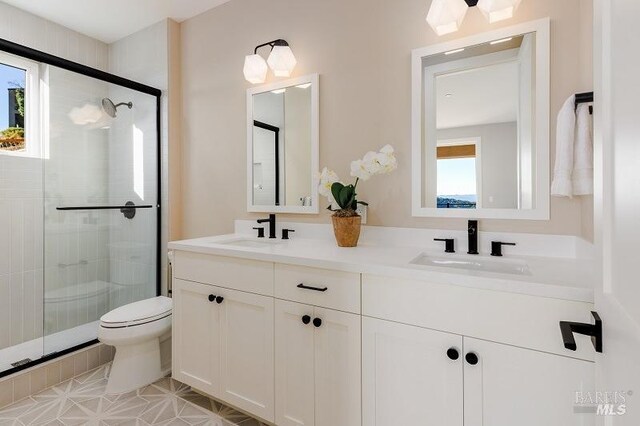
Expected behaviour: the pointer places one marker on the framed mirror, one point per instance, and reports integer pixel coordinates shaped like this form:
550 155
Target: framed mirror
282 146
480 125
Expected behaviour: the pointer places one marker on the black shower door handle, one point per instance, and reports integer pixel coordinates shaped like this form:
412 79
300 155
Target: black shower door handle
128 210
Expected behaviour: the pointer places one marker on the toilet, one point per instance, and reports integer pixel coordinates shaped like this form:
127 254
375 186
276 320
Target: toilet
135 330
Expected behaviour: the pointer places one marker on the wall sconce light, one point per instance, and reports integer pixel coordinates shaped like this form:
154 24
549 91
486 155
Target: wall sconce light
446 16
280 60
498 10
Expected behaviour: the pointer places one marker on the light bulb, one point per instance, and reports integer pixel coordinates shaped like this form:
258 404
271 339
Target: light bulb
281 61
498 10
446 16
255 69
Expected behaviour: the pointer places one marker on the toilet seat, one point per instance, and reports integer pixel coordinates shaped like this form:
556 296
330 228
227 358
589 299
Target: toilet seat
137 313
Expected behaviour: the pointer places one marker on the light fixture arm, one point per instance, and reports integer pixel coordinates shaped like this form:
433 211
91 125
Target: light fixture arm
278 42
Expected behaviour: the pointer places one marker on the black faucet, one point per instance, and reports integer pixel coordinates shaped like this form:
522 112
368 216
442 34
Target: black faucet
272 225
448 244
472 232
496 247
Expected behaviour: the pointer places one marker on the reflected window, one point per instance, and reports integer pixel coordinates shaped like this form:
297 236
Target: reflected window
18 105
458 174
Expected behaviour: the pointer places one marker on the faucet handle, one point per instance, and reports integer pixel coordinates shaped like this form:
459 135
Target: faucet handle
285 233
260 232
448 244
496 247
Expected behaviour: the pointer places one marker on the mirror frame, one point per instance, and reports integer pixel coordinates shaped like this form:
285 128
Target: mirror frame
418 133
315 144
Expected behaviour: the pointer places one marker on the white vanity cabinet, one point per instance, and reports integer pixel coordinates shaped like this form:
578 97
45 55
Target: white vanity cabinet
512 385
407 377
317 366
195 337
410 377
223 344
302 346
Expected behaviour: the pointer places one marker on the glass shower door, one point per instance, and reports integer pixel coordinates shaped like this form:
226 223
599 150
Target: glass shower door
101 192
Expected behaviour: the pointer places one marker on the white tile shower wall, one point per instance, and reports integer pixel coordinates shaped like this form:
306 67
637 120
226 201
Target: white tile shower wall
21 198
20 249
143 57
75 173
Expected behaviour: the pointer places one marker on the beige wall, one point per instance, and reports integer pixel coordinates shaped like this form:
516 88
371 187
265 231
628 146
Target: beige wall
361 48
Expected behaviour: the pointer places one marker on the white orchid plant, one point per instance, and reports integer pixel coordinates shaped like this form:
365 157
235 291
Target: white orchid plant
343 198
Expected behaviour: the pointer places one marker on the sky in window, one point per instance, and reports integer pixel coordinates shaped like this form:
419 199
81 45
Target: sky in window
8 76
457 176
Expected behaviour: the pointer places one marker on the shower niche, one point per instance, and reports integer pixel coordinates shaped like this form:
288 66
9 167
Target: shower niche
83 212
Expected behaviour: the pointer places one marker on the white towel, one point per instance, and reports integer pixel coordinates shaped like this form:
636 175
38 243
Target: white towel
582 175
565 137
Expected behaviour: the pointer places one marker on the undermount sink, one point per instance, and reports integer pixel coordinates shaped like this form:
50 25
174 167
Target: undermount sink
474 263
248 243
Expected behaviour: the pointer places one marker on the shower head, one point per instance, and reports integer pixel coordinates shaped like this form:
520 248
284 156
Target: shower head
111 109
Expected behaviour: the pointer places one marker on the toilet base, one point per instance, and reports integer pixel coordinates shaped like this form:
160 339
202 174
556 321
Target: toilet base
135 366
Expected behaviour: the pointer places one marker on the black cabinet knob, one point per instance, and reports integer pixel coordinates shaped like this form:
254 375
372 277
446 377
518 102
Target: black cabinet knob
219 299
306 319
471 358
317 322
212 298
453 354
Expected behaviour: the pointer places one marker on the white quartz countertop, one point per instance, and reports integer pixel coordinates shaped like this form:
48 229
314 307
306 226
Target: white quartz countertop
560 278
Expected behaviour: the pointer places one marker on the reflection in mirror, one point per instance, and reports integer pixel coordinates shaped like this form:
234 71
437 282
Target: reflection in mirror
478 144
282 147
482 105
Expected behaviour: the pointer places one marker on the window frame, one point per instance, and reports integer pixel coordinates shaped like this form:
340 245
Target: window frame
32 119
474 140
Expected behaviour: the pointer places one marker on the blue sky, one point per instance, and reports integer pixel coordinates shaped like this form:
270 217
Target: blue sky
7 75
457 176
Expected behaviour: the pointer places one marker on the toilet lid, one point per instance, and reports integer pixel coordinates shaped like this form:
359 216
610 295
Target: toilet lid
137 313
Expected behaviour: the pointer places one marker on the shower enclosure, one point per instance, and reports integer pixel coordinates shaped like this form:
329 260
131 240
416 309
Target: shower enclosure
79 202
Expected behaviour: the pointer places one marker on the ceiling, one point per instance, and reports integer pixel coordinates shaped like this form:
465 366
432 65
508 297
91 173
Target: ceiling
111 20
478 96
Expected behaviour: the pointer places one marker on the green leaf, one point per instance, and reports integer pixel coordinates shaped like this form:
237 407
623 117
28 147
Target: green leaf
345 196
336 188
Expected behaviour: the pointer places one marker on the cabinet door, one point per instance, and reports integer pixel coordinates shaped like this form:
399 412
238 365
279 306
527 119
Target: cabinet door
513 386
196 336
408 379
294 365
337 368
247 352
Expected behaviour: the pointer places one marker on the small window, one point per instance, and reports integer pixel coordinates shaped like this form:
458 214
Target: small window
459 174
18 106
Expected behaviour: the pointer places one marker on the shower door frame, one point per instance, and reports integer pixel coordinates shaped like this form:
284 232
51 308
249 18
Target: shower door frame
56 61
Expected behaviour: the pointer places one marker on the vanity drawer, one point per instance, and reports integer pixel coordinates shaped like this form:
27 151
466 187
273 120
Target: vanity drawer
307 285
514 319
239 274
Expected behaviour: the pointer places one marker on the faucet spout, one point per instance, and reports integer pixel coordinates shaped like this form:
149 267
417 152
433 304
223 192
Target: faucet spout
272 224
472 232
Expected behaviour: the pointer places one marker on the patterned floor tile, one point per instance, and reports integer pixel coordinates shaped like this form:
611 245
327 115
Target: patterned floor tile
82 401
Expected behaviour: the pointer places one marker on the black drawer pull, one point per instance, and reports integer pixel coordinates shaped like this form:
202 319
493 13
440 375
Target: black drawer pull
212 298
453 354
219 299
472 358
305 287
306 319
317 322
